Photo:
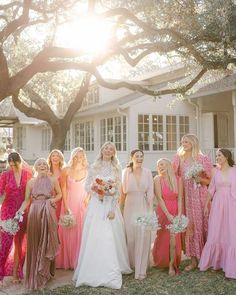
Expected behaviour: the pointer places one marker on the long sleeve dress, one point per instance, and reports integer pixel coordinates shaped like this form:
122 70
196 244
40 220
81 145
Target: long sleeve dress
103 254
14 197
138 202
42 236
219 251
194 201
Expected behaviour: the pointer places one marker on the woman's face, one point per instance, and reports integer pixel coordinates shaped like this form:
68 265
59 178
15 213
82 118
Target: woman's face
108 152
78 158
137 159
161 167
220 158
41 167
14 165
55 158
186 144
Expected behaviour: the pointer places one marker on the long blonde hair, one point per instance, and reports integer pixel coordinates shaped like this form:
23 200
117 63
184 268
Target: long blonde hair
114 160
74 153
195 146
170 174
61 156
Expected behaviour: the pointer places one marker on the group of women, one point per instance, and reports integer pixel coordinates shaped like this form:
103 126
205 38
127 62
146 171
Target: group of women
106 240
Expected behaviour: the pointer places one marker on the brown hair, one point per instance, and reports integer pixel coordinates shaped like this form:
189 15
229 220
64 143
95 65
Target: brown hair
228 155
131 164
15 158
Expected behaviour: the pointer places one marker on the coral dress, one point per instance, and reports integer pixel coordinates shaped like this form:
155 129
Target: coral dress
14 196
42 236
194 199
161 248
70 238
220 248
138 202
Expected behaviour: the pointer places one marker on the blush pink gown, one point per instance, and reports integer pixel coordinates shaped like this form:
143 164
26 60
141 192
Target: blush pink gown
220 249
70 238
161 248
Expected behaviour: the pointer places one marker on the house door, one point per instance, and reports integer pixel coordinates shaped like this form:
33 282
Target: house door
221 128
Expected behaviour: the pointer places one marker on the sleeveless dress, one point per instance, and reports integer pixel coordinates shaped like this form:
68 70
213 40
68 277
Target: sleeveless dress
219 251
14 197
70 238
103 254
161 248
42 236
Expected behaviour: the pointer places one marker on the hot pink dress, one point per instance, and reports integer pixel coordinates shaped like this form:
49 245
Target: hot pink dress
220 249
161 248
14 196
195 198
70 238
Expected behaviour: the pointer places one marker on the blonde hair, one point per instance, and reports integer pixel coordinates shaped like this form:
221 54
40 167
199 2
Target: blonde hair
114 160
61 156
195 146
36 163
170 174
74 153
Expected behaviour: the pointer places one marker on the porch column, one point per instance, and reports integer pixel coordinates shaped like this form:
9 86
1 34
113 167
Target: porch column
234 110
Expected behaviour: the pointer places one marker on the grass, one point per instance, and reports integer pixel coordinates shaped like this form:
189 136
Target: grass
158 282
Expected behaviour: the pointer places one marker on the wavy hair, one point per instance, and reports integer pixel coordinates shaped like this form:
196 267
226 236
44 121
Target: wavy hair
61 156
74 153
195 146
170 174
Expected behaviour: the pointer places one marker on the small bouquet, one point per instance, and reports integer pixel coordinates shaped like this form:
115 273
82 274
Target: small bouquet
11 226
149 221
178 225
103 188
194 171
67 220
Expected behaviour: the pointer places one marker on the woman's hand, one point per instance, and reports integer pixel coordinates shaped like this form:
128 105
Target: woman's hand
111 215
53 203
170 217
206 211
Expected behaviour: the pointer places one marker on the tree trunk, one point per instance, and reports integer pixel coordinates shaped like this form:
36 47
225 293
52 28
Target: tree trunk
59 132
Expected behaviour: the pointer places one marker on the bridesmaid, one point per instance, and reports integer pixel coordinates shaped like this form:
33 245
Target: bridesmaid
74 199
42 239
56 163
168 189
220 248
137 198
13 184
188 155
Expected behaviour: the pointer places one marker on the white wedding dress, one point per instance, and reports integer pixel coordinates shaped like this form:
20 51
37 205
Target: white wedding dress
103 253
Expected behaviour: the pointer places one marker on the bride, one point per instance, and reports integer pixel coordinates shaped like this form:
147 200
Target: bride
103 254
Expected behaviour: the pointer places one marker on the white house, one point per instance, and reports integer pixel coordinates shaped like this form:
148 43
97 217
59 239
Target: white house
131 120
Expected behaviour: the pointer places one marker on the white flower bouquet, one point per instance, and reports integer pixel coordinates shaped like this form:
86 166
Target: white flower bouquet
178 225
194 171
11 225
67 220
149 221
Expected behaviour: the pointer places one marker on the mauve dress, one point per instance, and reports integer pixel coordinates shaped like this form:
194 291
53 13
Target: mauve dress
42 236
220 248
138 202
14 197
161 248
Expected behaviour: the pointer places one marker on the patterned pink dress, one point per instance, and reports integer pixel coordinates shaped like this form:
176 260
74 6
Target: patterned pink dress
14 196
195 198
220 248
161 248
70 238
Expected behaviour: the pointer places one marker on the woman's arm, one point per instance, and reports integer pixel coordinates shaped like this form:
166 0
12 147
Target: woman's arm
64 175
57 189
158 194
180 196
26 202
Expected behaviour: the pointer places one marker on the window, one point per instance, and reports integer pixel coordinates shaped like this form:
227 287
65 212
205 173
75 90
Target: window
160 132
114 129
67 146
92 97
84 135
20 138
46 139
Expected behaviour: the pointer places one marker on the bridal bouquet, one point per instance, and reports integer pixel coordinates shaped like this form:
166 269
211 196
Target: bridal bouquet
149 221
103 188
11 226
67 220
194 171
178 225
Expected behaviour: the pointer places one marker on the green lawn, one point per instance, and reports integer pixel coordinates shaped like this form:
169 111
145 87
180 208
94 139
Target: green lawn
158 282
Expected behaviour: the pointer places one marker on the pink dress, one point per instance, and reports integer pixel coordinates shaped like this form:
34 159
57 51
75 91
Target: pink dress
138 202
70 238
195 198
42 237
14 196
220 248
161 248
